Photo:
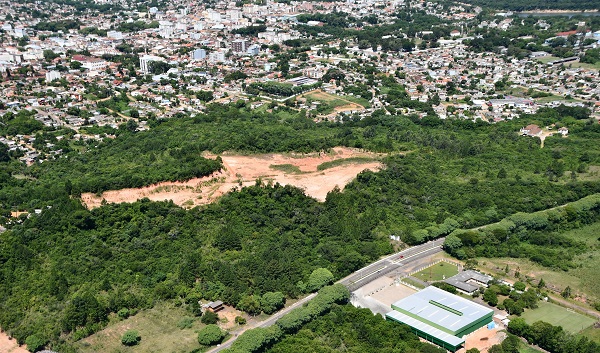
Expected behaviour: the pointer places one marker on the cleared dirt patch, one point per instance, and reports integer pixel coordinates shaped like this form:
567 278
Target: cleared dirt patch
483 339
245 170
10 345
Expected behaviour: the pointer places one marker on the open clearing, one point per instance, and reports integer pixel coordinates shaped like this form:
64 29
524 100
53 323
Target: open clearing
157 327
332 104
485 338
245 170
556 315
584 280
437 272
10 345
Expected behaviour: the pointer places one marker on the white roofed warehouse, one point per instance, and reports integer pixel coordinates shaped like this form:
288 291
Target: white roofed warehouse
440 317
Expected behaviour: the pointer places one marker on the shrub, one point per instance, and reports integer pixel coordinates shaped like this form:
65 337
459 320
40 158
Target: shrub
123 313
185 322
209 318
240 320
34 343
131 338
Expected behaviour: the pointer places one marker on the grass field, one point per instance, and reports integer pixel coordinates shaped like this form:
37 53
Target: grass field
286 168
557 315
344 161
592 333
358 100
330 102
547 59
437 272
158 328
583 280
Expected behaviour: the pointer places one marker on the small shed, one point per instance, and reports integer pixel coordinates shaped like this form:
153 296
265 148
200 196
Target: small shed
215 306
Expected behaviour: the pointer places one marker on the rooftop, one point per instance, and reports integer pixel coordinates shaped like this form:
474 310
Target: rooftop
425 328
442 310
464 280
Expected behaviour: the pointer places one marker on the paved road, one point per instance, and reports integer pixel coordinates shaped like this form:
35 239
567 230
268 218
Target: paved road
394 262
266 323
358 279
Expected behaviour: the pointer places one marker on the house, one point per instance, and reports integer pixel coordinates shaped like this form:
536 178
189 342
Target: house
531 130
469 281
563 131
215 306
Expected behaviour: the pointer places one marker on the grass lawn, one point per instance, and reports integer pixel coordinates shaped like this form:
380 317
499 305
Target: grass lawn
547 59
557 315
437 272
358 100
157 327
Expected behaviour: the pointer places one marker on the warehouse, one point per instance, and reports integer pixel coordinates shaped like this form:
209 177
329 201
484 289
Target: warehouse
440 317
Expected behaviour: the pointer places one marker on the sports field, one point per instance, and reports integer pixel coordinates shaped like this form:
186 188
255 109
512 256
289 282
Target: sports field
558 316
437 272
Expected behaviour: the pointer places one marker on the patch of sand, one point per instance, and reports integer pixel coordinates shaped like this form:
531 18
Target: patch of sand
483 339
229 313
10 345
244 171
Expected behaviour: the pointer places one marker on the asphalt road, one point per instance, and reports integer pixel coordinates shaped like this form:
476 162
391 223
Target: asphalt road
393 262
367 274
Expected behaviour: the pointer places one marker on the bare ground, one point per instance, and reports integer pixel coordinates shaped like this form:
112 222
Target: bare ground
10 345
244 171
483 339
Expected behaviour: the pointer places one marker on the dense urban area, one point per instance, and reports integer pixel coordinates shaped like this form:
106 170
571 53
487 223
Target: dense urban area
393 176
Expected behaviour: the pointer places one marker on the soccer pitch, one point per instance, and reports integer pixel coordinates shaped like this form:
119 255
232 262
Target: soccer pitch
437 272
558 316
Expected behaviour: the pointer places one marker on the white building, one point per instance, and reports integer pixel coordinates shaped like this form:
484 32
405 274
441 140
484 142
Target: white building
114 35
52 75
94 64
144 60
216 56
198 54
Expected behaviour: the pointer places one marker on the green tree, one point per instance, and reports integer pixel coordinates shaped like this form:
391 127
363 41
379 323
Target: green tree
250 304
4 156
131 338
520 286
491 297
272 302
566 293
318 279
211 335
518 326
541 283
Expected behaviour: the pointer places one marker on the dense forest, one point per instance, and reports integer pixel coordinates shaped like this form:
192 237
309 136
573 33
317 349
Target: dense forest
62 271
353 330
